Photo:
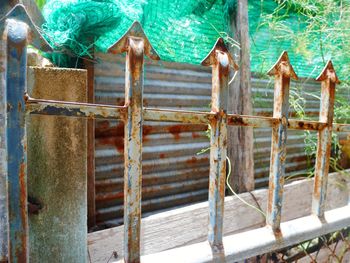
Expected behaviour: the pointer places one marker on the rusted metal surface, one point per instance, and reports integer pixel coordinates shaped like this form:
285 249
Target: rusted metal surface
101 111
73 109
220 61
16 33
3 155
180 93
136 45
283 72
329 79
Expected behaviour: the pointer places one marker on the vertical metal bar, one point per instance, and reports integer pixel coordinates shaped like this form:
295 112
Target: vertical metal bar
133 149
218 150
17 33
220 61
328 80
282 71
3 153
136 44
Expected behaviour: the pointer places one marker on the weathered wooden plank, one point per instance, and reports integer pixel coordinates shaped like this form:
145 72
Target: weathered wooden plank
258 241
188 225
91 193
240 145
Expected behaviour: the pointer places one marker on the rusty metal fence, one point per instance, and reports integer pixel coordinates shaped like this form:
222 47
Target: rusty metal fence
18 31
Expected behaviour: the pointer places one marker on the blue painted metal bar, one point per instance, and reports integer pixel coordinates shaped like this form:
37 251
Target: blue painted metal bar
17 30
283 72
17 33
328 79
136 44
219 59
3 156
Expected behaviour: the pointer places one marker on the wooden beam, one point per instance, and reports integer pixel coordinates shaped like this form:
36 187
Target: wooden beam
91 192
240 144
188 225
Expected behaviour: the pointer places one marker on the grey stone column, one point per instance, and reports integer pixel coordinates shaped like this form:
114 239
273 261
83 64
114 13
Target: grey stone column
57 154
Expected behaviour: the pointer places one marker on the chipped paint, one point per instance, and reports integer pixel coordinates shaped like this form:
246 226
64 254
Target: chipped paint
282 71
328 79
219 59
17 172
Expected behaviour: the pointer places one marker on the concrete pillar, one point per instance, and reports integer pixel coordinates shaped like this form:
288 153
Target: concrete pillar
57 154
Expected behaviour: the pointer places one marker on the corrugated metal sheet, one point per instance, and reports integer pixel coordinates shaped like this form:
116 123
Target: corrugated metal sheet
173 173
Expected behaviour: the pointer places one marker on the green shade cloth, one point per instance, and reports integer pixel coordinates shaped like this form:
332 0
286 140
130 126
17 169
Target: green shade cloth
185 31
180 30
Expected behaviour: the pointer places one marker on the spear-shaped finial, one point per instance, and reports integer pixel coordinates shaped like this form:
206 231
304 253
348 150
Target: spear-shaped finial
211 58
283 66
328 72
19 13
136 31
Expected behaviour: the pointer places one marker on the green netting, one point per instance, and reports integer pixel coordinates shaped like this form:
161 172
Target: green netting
180 30
274 28
185 30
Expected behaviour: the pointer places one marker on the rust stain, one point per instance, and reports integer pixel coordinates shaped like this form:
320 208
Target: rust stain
195 135
192 160
176 130
21 252
162 155
278 235
114 136
237 121
270 197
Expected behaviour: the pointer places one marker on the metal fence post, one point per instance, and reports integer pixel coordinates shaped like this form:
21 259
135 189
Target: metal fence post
135 44
220 60
3 153
283 72
16 34
16 27
328 79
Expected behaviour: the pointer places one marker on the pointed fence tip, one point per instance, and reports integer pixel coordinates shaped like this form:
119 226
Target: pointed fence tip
19 12
135 30
283 66
328 72
211 57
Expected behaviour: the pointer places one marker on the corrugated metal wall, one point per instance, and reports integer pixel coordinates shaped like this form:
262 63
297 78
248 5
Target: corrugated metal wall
173 173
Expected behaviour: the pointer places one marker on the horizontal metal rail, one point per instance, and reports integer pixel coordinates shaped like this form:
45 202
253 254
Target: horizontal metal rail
101 111
73 109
